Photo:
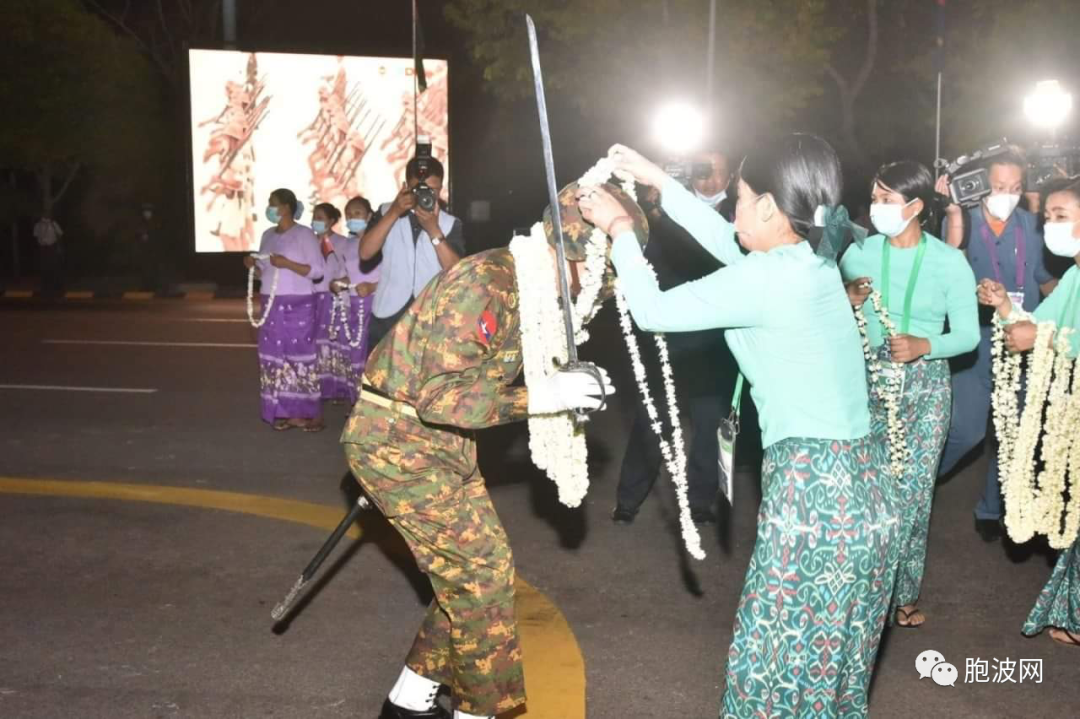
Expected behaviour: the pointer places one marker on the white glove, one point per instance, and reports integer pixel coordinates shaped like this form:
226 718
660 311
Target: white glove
567 390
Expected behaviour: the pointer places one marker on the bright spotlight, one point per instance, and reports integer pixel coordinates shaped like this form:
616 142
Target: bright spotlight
1049 105
679 128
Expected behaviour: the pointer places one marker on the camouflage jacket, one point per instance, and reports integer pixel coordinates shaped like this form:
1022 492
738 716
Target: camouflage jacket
455 354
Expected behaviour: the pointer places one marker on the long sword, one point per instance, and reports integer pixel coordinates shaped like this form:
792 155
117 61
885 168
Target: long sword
580 416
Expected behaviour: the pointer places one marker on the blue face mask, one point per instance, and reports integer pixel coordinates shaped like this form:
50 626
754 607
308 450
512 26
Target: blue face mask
318 227
272 214
356 225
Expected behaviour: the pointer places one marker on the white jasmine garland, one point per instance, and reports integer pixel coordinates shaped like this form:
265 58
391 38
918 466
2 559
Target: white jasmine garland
251 293
1057 440
556 443
1006 368
1022 503
673 451
340 307
892 392
1035 504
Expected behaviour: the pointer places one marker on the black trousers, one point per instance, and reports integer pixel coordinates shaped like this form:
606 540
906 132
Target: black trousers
705 375
381 326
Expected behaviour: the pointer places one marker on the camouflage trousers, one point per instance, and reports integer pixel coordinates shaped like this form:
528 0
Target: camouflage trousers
426 482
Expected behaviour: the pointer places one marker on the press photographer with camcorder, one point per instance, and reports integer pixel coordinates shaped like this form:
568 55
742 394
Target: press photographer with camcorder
1002 242
417 239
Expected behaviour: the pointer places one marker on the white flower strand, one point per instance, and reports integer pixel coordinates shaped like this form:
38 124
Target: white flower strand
675 460
557 445
673 451
892 394
1021 497
251 293
1057 440
340 307
1006 368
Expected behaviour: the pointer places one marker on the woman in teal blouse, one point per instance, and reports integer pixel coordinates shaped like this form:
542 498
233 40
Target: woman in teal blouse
922 282
1058 605
817 590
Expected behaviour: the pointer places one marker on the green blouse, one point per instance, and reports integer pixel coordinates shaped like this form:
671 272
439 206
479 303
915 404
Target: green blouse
790 324
945 287
1063 306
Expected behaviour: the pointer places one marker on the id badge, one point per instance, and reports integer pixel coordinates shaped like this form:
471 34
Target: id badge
1017 298
727 434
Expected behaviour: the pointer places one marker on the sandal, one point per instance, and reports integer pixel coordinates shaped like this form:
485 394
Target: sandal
1064 636
906 622
314 425
282 425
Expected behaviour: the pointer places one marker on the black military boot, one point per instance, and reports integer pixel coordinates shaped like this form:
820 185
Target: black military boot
390 711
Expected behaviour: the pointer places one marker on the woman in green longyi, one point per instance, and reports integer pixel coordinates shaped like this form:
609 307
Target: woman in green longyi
922 282
1058 605
817 590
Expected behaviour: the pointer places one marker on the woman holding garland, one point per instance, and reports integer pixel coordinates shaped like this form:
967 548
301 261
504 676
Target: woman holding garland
921 281
1058 605
359 282
329 365
288 380
818 586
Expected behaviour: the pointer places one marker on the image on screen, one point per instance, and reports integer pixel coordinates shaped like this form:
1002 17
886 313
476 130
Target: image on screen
327 127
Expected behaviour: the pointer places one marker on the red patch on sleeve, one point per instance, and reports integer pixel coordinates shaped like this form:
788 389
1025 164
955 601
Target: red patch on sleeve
486 326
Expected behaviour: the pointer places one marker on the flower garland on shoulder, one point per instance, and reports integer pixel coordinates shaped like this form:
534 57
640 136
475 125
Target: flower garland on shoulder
257 323
892 395
556 443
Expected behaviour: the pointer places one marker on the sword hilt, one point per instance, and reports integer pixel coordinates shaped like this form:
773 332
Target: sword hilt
581 416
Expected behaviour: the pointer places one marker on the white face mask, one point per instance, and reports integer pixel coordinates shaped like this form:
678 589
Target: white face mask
1002 206
713 200
889 219
1059 239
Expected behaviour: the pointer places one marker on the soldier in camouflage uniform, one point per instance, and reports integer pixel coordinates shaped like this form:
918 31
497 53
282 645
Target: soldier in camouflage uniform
445 369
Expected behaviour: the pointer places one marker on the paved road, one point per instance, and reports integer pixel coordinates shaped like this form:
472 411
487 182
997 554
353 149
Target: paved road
114 609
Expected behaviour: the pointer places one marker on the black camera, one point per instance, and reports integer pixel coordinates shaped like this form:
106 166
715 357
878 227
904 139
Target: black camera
426 197
1047 162
686 172
968 188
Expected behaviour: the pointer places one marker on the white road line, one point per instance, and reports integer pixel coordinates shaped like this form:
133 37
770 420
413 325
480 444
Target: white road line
58 388
132 343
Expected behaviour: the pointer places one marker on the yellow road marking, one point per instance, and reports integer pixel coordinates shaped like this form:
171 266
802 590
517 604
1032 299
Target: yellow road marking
20 294
554 667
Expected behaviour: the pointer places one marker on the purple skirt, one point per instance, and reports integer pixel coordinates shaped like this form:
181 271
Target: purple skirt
340 365
288 381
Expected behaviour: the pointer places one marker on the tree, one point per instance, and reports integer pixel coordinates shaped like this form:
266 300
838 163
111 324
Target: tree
605 61
81 96
850 88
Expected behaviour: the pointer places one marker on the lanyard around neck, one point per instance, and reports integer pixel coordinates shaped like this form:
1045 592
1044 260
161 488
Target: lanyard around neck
905 322
1021 254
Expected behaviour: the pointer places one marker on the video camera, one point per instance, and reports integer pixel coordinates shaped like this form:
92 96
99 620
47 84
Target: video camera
1047 162
426 197
686 172
968 188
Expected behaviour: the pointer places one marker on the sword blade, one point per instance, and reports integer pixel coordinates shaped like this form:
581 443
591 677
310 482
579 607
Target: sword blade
553 191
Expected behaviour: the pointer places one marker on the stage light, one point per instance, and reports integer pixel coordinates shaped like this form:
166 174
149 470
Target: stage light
1048 106
679 128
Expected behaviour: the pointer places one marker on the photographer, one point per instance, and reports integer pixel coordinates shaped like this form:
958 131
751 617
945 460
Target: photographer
416 244
1003 243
